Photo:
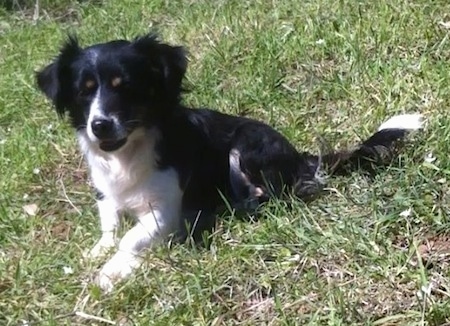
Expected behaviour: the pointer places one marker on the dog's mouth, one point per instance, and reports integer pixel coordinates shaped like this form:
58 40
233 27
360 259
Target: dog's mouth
112 145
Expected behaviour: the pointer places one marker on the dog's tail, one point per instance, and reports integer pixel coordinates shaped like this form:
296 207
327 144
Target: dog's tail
379 149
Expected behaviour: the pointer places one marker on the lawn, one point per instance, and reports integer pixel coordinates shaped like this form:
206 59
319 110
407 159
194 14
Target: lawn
370 251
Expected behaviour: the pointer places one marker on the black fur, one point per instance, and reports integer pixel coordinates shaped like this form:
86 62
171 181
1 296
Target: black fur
197 143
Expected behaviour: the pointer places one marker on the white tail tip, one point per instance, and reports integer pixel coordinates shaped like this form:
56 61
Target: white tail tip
404 121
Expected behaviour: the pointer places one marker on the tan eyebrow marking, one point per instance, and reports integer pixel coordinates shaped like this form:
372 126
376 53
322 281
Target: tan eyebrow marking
116 81
90 83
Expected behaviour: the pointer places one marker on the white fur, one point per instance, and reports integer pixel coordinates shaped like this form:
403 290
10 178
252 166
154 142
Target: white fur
95 112
130 180
403 121
109 221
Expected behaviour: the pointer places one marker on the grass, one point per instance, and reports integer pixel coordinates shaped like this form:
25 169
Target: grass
330 68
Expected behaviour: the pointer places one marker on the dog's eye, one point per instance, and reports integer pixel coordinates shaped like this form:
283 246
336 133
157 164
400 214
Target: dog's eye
116 82
88 87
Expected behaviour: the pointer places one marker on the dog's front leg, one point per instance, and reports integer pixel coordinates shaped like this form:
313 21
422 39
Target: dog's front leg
150 228
109 221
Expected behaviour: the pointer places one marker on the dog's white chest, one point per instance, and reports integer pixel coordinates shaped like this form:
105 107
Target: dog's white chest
124 175
113 173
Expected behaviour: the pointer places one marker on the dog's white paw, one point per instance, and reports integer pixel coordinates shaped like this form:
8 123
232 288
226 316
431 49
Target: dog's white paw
101 248
119 267
105 282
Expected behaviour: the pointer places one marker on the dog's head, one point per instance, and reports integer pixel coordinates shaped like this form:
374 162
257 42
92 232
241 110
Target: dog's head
111 89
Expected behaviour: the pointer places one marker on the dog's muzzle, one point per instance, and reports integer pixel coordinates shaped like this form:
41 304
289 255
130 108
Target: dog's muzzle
111 136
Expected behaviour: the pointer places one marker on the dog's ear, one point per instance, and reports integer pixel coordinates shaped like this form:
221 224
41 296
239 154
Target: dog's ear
54 79
47 80
170 61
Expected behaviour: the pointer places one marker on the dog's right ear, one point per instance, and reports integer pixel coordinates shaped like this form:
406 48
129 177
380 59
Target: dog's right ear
54 79
48 81
169 61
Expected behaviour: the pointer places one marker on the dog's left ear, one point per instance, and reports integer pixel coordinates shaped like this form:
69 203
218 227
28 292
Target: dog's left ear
53 80
170 61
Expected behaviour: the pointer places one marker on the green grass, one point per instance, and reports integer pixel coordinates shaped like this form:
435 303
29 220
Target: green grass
309 68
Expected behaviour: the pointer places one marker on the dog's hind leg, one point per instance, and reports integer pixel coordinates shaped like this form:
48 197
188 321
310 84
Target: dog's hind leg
245 195
263 163
311 177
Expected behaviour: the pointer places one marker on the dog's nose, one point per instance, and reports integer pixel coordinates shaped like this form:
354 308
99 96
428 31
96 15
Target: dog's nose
102 128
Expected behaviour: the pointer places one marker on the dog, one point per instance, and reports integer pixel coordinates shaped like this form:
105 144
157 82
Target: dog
172 166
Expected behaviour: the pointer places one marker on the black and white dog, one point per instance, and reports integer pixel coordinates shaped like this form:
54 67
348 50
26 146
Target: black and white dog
167 164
